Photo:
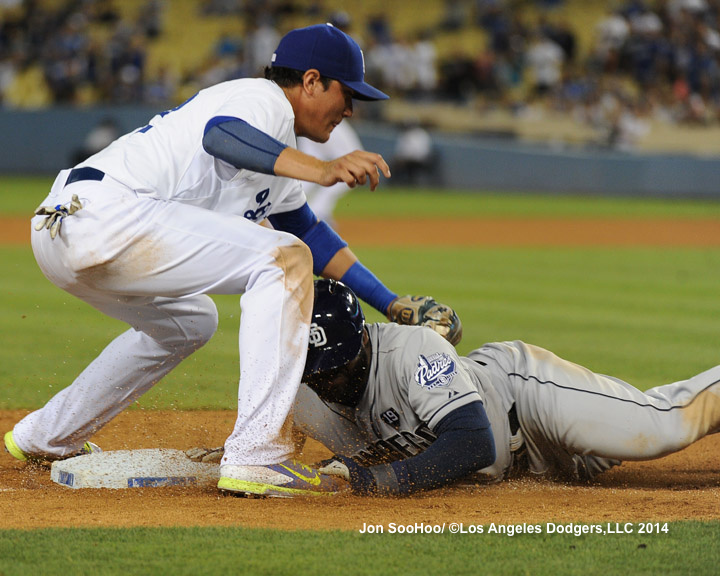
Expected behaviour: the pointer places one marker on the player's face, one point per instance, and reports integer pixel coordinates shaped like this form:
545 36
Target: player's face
344 385
326 110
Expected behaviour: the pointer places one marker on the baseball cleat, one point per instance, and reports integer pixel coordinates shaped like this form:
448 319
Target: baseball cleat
13 448
16 452
285 480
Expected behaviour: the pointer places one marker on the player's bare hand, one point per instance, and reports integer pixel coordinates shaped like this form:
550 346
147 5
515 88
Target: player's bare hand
359 167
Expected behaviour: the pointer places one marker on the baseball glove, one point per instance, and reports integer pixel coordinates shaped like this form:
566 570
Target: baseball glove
215 455
426 311
205 455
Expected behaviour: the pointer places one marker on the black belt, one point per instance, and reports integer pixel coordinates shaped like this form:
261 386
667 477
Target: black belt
514 421
86 173
512 413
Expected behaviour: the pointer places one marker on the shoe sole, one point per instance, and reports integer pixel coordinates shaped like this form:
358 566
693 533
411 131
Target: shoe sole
251 489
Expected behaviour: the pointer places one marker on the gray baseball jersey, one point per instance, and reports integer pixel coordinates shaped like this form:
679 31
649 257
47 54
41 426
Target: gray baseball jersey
571 423
416 379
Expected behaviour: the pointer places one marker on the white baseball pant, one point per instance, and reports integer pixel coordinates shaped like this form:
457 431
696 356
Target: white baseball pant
150 263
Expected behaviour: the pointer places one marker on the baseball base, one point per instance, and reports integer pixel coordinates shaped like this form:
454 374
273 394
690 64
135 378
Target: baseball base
119 469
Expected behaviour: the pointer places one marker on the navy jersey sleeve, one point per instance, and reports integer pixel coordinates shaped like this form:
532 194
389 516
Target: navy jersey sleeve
464 444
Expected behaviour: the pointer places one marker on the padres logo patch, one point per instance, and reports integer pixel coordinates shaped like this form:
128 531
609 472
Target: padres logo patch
435 370
317 336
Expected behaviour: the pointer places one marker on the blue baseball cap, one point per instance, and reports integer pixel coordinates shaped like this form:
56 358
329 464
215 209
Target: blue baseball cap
331 52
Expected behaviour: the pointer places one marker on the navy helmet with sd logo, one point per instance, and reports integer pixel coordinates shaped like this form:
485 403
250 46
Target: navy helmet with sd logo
336 327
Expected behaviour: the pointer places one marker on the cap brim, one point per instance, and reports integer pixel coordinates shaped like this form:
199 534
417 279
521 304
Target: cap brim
363 91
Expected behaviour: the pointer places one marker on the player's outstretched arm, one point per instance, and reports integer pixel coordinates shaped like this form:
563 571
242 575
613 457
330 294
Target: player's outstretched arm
238 143
464 444
333 259
359 167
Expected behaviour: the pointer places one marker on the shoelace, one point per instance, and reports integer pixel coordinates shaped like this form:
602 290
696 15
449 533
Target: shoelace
56 214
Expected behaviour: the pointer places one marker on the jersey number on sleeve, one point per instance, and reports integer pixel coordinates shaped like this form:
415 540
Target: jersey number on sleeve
165 113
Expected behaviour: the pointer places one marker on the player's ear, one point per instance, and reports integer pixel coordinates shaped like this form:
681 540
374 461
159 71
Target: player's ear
312 81
366 340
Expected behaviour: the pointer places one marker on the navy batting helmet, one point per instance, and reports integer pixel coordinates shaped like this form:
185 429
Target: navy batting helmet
336 328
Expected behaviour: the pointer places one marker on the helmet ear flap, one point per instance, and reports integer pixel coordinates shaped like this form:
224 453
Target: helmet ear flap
336 327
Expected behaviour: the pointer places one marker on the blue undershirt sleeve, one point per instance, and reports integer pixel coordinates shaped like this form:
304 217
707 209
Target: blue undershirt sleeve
297 222
240 144
322 240
464 444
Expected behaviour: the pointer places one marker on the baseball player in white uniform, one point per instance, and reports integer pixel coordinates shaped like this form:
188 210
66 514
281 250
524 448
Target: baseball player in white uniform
323 199
145 229
403 412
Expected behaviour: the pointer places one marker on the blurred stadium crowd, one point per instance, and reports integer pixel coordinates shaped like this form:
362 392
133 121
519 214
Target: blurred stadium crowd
645 59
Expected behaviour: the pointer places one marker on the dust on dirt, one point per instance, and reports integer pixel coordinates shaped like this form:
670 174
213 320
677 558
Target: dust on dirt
682 486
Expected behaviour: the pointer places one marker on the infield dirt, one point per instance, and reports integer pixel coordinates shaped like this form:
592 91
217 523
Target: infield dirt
682 486
495 232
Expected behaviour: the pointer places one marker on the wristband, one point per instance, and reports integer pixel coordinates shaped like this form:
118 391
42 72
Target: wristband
386 482
367 287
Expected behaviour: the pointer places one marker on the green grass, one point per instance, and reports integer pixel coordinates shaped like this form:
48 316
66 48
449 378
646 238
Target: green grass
646 315
55 336
20 195
403 203
687 548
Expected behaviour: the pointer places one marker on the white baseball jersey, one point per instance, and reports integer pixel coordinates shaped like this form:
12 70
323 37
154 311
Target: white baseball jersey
573 423
173 140
166 225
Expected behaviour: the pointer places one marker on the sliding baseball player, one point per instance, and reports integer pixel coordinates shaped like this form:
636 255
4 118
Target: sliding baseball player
403 412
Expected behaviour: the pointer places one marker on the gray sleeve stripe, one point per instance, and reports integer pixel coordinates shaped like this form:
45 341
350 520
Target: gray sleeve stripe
385 479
